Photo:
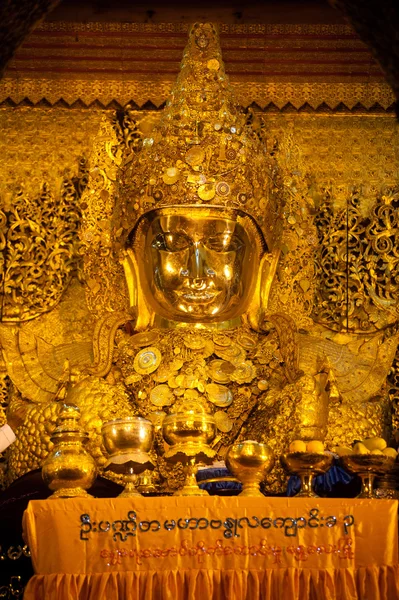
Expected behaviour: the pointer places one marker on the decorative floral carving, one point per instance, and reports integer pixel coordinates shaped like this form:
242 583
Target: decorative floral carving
39 239
358 263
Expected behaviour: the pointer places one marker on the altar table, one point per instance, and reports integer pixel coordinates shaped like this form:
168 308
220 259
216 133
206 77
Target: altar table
180 548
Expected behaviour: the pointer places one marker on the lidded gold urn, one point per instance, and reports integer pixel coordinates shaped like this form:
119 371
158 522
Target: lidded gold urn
189 433
69 470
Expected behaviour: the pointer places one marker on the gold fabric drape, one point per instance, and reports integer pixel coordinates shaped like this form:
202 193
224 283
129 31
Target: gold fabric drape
213 548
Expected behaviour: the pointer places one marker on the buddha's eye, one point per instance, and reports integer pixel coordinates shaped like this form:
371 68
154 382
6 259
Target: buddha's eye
171 242
223 242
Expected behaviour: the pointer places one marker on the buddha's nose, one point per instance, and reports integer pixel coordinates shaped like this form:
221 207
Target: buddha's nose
197 262
197 268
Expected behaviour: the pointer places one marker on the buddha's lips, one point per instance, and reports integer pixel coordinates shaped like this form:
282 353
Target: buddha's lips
198 296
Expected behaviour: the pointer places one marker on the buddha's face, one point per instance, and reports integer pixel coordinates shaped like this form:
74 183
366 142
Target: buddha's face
198 265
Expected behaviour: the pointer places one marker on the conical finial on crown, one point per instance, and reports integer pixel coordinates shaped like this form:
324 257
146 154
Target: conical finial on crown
203 150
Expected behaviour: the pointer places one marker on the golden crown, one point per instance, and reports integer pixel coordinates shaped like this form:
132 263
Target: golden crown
204 149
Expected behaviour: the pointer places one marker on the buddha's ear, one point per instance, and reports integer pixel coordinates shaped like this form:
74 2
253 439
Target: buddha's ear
136 296
260 301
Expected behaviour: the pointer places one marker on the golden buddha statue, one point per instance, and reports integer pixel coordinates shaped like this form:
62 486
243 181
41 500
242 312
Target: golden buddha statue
199 280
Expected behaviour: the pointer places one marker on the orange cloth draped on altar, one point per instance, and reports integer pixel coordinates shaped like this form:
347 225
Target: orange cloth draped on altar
181 548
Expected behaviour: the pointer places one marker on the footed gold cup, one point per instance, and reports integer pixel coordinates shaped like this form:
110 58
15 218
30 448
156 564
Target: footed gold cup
188 434
250 462
367 466
128 442
306 465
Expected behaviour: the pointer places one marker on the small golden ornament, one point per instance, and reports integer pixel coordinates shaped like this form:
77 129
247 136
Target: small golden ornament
244 373
247 341
206 191
213 64
144 339
219 395
170 176
176 364
216 372
234 353
231 154
194 178
227 367
207 351
147 361
221 340
172 383
191 395
222 188
191 381
195 156
263 385
161 396
223 421
163 374
157 195
194 342
181 380
202 41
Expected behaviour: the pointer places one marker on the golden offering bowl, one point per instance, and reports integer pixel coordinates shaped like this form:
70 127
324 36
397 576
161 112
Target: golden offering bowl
367 466
306 465
189 429
132 436
188 435
250 461
127 442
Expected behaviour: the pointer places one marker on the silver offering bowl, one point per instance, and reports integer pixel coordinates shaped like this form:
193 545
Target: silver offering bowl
306 465
128 442
189 434
367 466
250 462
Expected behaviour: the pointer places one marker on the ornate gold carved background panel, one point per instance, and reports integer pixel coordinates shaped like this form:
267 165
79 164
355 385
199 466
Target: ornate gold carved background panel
343 151
44 144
